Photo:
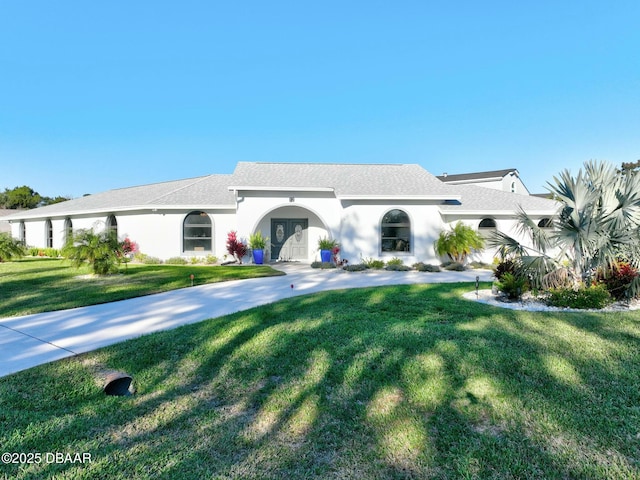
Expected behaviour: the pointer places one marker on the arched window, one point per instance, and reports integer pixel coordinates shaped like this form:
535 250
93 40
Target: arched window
196 233
48 232
112 224
68 230
395 232
487 226
545 223
487 223
23 233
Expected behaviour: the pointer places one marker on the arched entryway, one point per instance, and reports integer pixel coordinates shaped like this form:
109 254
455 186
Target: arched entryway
293 233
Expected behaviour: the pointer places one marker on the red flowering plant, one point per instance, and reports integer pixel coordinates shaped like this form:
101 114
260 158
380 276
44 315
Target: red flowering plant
236 247
335 251
128 247
617 279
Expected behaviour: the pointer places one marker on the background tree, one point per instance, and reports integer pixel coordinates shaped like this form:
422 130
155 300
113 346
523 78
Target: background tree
629 167
21 197
459 242
51 200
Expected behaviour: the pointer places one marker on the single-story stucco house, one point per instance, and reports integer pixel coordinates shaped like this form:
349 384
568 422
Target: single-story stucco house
374 211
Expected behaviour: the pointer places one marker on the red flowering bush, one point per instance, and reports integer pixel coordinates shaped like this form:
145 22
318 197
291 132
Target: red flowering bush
617 279
128 246
235 247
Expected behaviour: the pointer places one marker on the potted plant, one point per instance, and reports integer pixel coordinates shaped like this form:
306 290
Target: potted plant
326 246
257 243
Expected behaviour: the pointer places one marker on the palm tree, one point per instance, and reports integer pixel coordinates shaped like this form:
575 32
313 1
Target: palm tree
597 224
101 251
10 247
458 243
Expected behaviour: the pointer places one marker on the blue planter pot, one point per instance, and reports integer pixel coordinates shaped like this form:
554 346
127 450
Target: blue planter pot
258 256
325 256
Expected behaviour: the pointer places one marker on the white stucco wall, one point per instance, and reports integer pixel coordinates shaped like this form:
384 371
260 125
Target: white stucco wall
361 224
158 234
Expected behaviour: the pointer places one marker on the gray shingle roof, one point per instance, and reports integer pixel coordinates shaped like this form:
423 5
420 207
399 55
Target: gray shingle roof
488 200
204 191
347 180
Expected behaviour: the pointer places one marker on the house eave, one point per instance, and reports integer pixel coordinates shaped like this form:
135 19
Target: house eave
105 211
400 197
256 188
497 213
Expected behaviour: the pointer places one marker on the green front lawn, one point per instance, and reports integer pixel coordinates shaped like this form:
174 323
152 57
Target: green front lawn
42 285
394 382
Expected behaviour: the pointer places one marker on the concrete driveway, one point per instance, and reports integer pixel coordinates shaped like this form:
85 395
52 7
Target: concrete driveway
32 340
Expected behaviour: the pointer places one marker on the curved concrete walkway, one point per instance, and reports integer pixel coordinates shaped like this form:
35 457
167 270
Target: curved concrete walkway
32 340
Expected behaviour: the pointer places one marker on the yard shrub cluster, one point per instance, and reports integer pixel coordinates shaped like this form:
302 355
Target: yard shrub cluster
324 265
176 261
594 296
454 266
593 252
513 286
617 279
426 267
373 263
43 252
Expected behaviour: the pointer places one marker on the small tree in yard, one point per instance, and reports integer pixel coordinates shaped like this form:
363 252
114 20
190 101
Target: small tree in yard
236 248
101 251
458 243
10 247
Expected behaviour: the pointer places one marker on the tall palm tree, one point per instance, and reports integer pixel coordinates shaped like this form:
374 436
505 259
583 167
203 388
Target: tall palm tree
598 222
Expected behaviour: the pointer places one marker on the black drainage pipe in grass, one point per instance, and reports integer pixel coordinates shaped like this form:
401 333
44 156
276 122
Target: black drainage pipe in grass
117 383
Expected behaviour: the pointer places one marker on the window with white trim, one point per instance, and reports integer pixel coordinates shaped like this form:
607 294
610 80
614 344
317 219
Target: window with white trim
197 233
395 231
48 232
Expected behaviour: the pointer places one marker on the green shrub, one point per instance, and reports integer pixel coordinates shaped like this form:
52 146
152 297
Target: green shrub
194 260
426 267
395 261
595 296
397 268
356 267
176 261
51 253
211 259
371 263
147 260
323 265
512 285
453 266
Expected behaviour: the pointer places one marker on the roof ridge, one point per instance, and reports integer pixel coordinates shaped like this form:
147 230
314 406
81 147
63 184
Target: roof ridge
197 180
347 164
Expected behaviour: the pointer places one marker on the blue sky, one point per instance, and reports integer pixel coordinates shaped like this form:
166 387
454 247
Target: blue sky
102 95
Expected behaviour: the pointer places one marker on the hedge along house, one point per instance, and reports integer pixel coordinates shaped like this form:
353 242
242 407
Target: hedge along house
373 211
